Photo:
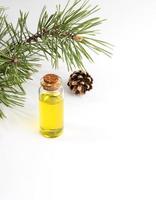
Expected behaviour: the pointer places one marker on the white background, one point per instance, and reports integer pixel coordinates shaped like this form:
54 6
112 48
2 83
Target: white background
108 150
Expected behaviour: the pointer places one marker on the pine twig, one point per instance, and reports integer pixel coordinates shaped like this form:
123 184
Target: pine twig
68 34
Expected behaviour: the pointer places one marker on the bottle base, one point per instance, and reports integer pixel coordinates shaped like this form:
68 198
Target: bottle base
52 133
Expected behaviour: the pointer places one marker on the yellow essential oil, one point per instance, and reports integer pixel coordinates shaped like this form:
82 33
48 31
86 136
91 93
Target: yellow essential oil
51 109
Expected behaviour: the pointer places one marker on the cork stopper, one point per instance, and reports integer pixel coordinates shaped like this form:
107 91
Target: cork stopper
51 82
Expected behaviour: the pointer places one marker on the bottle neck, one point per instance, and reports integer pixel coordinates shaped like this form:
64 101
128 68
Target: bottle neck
56 92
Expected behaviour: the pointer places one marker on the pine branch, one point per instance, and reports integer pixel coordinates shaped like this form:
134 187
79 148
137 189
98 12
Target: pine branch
67 34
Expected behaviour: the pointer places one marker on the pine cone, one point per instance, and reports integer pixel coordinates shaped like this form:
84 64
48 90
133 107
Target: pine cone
80 82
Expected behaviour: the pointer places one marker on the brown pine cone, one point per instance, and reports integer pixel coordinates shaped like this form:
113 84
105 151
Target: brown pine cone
80 82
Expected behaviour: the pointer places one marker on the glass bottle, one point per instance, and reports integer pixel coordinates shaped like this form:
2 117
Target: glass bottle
51 106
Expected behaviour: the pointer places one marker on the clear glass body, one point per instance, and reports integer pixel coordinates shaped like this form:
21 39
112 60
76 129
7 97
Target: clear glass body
51 111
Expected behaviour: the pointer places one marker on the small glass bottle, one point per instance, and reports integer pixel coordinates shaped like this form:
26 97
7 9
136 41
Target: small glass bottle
51 106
